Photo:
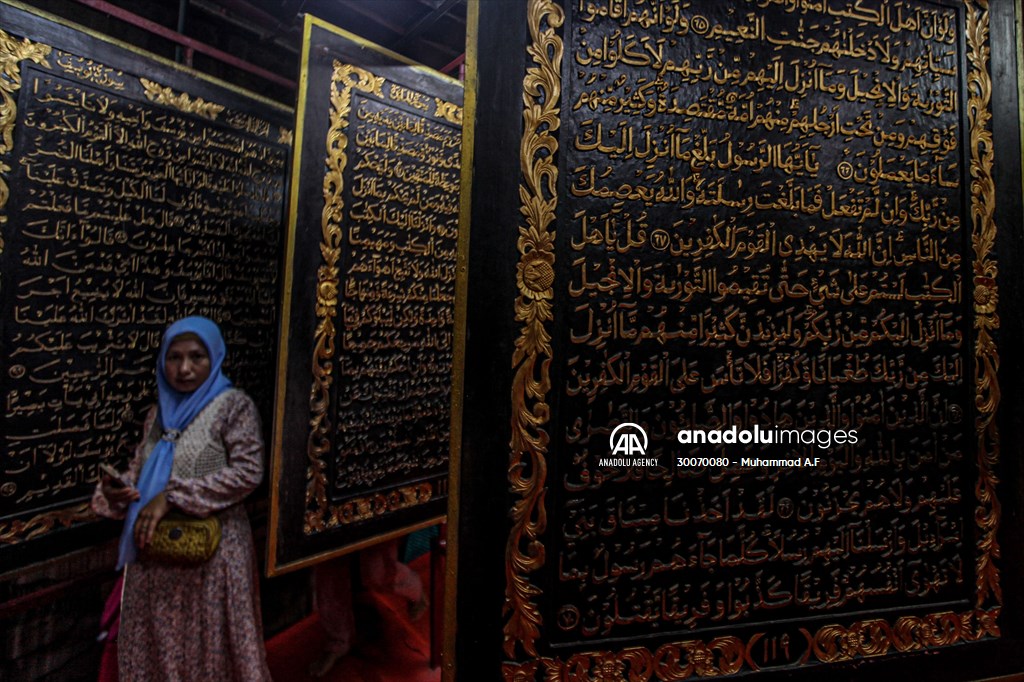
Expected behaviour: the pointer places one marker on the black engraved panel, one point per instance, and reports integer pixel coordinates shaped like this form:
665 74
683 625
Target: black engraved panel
364 410
132 202
762 224
763 232
394 364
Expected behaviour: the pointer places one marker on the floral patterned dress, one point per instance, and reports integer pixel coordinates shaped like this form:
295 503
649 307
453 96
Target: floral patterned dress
199 623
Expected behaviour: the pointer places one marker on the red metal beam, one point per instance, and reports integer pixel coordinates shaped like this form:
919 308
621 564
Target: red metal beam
455 63
191 44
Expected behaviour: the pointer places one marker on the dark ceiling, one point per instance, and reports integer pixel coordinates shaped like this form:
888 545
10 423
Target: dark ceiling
432 32
226 37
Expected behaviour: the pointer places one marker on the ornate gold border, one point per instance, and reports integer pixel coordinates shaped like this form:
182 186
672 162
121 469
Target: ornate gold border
986 321
181 101
535 277
344 78
13 532
380 504
727 655
525 552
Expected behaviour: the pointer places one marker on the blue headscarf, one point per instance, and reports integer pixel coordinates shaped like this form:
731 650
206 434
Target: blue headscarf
177 410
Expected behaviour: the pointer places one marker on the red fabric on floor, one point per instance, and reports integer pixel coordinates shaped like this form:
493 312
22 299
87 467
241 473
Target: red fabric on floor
400 653
108 662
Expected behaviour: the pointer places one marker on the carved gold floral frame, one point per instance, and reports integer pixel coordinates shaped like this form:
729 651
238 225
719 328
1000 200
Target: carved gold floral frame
527 471
320 514
344 78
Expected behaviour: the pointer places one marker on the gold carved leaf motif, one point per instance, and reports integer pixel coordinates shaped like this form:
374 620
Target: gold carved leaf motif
158 94
12 53
532 356
983 235
12 532
380 504
449 111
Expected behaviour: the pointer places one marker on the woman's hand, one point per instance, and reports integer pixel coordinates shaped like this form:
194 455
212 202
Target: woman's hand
150 515
117 495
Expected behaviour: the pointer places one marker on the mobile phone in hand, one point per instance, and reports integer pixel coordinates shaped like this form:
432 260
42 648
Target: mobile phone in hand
115 476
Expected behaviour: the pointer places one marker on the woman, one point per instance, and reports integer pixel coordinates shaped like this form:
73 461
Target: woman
201 453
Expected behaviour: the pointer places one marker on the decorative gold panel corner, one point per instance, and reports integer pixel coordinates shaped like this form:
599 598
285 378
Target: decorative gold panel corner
449 111
12 53
182 101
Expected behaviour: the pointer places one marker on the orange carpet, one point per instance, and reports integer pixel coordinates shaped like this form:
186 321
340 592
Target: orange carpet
388 648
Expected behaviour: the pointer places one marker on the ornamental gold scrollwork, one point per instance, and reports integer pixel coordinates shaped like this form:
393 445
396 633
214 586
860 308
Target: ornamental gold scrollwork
449 111
531 359
13 532
876 637
12 53
380 504
727 655
675 661
986 321
181 101
344 79
285 136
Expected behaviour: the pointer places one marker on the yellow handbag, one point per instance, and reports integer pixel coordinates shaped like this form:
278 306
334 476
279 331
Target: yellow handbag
183 540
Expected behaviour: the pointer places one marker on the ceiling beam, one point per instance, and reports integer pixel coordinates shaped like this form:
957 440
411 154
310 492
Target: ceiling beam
270 31
255 15
377 17
426 22
190 43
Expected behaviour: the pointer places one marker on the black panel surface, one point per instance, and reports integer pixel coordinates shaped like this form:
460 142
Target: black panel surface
364 407
135 193
735 222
